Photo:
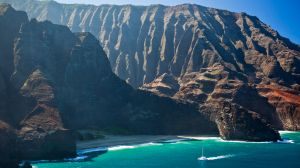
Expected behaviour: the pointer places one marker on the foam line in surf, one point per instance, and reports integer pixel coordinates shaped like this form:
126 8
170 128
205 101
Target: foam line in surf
201 138
236 141
287 132
91 150
174 140
77 159
121 147
148 144
219 157
286 141
114 148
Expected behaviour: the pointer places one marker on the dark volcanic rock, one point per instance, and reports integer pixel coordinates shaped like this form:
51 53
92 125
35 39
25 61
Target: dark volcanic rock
144 42
287 104
8 146
187 52
165 85
60 81
197 46
40 132
235 123
238 109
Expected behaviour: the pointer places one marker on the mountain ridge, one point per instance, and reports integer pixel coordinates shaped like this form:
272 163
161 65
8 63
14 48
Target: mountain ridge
223 73
145 60
220 47
54 82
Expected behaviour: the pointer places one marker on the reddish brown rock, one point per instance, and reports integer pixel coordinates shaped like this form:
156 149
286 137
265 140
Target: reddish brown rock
197 47
286 101
62 81
236 107
188 52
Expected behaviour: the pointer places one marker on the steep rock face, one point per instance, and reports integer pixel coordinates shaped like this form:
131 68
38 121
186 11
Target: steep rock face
175 40
28 98
42 133
235 122
9 31
237 108
165 85
154 42
287 104
9 151
3 96
60 81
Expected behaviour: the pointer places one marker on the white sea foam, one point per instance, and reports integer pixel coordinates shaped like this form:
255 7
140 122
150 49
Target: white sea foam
218 139
201 138
114 148
236 141
91 150
287 132
219 157
77 159
149 144
122 147
286 141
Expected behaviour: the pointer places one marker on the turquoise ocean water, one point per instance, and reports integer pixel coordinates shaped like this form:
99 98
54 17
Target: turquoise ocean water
185 154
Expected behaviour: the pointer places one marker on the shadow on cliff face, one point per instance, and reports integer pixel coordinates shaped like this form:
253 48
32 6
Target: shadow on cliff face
63 81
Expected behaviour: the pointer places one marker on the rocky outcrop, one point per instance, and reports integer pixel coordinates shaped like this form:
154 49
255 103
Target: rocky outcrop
57 81
237 108
235 123
287 104
27 95
201 48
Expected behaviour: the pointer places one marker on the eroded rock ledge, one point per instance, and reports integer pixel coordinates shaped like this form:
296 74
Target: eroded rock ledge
53 81
205 49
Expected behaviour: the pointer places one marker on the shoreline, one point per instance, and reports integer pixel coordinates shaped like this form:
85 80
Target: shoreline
116 140
127 140
87 150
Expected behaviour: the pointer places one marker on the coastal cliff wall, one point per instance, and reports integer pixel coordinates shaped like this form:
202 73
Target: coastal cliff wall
53 82
201 48
144 42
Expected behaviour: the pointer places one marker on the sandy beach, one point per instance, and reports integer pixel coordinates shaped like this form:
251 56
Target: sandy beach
112 140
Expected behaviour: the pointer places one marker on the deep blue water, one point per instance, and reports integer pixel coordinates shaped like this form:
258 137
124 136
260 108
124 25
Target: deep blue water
185 154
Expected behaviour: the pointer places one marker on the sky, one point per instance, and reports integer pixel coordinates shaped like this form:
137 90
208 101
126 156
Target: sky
281 15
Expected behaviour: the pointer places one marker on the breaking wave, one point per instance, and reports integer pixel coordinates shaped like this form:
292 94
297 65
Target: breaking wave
91 150
284 141
202 138
287 132
114 148
121 147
